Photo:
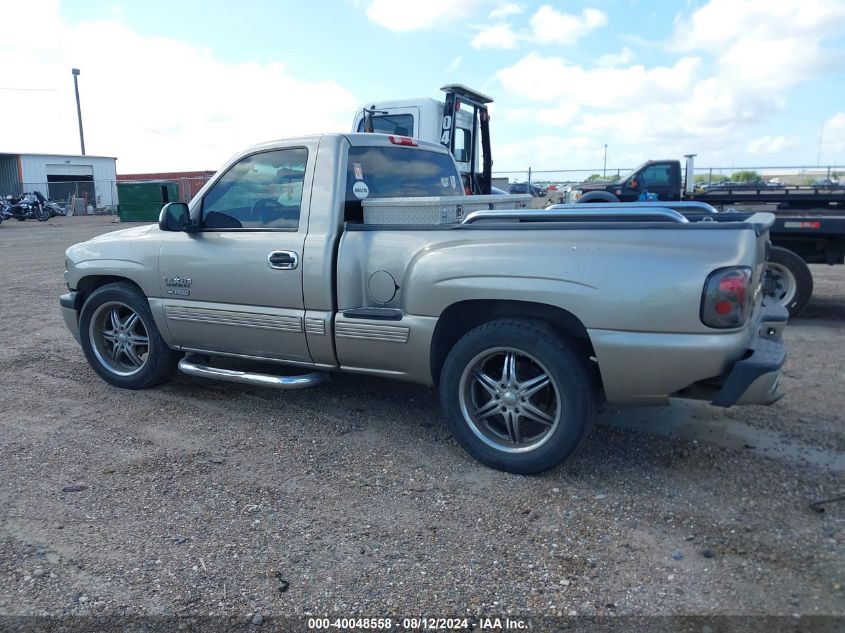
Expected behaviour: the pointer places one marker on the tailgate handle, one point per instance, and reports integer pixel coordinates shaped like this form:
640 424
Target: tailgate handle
283 260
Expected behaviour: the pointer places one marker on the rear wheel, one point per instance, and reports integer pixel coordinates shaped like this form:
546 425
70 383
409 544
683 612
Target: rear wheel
516 396
121 341
597 196
788 280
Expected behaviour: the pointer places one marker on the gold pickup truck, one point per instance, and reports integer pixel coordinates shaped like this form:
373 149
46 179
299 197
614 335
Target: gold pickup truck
360 253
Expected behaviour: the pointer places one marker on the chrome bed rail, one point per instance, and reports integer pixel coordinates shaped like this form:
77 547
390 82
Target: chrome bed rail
581 213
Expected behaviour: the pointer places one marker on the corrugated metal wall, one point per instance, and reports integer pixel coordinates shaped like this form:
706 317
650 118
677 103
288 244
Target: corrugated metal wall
190 182
9 182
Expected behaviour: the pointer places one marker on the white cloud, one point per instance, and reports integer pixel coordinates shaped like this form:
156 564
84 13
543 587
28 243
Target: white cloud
562 115
544 150
138 106
417 15
548 26
505 10
551 26
455 63
622 58
772 44
722 23
769 145
833 135
734 67
496 36
548 79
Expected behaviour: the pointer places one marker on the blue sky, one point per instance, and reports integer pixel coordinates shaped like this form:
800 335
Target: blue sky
182 85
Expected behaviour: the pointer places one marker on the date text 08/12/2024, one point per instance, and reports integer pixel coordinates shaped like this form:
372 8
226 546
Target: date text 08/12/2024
416 624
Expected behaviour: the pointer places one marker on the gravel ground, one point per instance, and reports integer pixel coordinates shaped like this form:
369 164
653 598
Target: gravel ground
351 498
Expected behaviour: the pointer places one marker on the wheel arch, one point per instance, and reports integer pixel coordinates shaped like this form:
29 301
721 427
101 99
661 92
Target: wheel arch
463 316
88 284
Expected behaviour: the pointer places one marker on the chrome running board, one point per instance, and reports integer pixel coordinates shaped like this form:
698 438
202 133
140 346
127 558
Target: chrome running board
262 380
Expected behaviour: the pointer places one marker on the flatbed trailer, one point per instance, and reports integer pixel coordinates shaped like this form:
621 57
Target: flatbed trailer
809 226
787 198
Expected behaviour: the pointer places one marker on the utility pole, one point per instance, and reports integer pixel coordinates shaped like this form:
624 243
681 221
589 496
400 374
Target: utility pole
75 72
604 169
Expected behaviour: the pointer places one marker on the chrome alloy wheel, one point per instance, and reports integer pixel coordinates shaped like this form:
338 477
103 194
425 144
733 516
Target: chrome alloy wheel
779 283
509 400
119 338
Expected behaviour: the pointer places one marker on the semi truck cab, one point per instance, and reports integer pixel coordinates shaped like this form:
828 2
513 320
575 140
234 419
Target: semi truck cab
460 123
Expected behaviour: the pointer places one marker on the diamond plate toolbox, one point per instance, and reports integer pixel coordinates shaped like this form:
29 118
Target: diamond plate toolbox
434 210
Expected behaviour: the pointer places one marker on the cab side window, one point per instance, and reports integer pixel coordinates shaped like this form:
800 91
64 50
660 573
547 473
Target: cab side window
261 191
463 144
655 175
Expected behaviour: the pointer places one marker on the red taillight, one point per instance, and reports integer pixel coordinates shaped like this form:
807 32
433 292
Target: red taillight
726 299
402 140
734 285
724 307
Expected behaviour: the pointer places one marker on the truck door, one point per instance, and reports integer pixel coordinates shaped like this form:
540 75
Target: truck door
655 178
235 286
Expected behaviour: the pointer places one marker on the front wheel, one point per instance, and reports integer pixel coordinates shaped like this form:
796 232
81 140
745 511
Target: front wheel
516 396
788 280
121 341
42 214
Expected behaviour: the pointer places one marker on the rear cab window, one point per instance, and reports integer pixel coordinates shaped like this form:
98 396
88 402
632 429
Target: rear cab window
399 124
397 172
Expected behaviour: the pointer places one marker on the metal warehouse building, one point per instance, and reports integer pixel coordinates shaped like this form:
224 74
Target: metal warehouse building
58 176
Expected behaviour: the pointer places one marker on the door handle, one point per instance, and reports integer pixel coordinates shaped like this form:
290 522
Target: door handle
283 260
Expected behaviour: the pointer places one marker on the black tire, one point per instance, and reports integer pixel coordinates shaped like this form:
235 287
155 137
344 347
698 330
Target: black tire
788 280
537 348
42 214
597 196
158 362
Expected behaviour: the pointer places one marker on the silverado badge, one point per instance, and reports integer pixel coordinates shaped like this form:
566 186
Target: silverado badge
178 285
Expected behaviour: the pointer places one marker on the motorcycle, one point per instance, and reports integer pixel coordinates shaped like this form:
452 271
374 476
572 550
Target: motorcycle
51 205
26 206
6 206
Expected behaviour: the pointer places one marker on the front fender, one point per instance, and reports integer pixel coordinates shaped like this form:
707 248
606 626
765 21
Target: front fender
133 257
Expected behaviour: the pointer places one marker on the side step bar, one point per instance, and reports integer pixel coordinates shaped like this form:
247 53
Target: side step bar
262 380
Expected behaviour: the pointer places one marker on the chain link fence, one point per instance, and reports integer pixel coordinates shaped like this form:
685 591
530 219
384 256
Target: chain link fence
103 196
90 196
83 196
788 175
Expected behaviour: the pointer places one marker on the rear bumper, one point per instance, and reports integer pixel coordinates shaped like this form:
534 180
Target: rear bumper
725 368
71 304
756 378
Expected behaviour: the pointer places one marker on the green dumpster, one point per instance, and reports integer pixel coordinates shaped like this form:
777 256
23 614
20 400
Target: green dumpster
142 201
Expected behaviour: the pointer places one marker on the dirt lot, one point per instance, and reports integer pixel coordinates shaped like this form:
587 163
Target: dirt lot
206 498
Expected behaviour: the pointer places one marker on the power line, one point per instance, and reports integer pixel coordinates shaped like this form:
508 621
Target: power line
30 89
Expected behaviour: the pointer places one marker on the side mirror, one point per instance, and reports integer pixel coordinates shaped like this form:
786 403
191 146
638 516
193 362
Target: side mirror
175 216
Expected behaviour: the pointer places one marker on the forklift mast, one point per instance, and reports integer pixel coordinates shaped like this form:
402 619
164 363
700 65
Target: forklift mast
457 94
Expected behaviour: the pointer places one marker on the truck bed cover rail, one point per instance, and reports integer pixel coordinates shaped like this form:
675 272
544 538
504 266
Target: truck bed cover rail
681 206
582 213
